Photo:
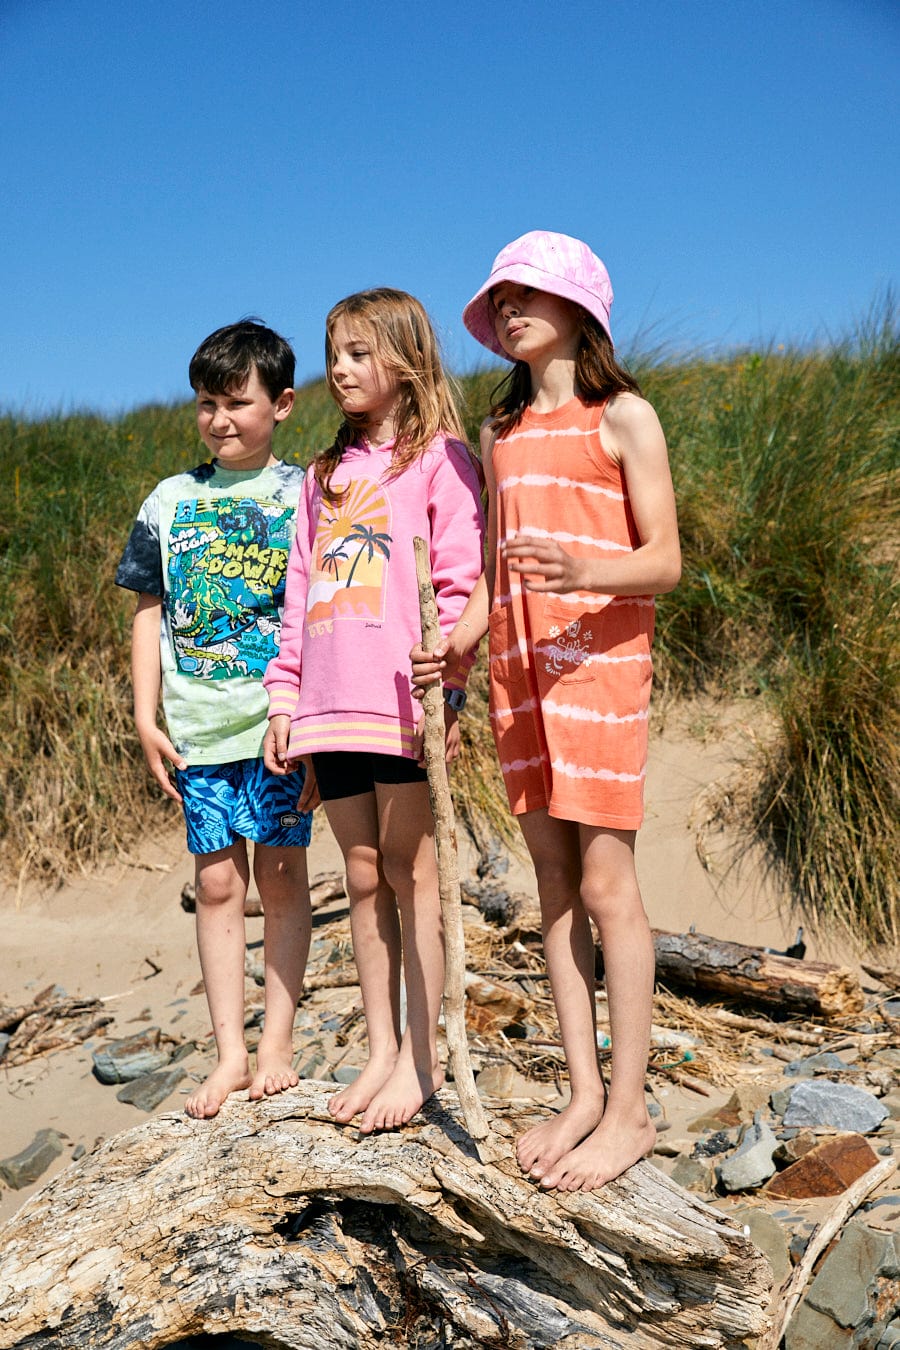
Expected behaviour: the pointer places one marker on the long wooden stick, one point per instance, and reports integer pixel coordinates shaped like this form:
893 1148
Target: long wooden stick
792 1290
448 872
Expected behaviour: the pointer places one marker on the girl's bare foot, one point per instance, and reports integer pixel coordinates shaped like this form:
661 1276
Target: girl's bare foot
402 1095
542 1146
229 1075
275 1070
357 1095
613 1147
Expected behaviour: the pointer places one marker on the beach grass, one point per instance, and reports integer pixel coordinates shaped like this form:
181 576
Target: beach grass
785 465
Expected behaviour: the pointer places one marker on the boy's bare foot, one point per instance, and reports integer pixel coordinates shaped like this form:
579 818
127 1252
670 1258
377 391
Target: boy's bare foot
541 1147
404 1093
228 1076
357 1095
613 1147
275 1071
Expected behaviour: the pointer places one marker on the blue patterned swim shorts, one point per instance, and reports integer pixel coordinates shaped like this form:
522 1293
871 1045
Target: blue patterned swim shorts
242 800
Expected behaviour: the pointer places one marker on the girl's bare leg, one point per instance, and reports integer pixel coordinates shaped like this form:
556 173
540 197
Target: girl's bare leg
221 887
555 850
410 868
375 927
611 897
281 878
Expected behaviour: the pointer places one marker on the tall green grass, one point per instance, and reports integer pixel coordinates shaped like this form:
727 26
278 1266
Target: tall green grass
785 467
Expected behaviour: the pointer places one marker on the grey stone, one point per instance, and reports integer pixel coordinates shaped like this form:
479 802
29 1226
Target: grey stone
813 1064
811 1330
346 1073
4 1042
845 1286
23 1168
768 1235
891 1337
132 1057
840 1105
693 1175
780 1100
147 1092
752 1163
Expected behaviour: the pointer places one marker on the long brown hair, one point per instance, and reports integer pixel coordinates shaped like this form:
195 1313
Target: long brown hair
598 375
403 341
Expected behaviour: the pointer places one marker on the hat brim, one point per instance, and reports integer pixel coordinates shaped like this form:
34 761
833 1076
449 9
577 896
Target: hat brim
478 315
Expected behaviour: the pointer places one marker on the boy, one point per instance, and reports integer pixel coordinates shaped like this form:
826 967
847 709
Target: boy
208 556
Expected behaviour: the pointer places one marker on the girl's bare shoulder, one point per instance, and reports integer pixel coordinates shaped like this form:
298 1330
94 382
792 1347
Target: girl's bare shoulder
626 411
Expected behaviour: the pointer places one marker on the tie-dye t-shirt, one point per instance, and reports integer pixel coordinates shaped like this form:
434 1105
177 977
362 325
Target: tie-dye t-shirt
213 544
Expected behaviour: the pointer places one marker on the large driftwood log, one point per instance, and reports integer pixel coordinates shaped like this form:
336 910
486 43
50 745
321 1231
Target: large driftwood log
272 1222
731 970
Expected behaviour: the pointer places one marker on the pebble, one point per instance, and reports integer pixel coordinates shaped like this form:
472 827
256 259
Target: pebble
25 1167
132 1057
840 1105
147 1092
752 1163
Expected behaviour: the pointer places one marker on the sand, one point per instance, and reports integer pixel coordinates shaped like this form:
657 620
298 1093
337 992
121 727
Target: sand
121 934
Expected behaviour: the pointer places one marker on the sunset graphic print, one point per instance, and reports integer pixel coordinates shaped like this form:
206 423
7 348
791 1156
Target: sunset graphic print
352 549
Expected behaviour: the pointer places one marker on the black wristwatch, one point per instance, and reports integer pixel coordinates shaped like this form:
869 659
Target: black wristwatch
455 699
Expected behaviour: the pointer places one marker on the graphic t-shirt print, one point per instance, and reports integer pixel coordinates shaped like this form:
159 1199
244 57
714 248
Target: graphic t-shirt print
227 561
348 573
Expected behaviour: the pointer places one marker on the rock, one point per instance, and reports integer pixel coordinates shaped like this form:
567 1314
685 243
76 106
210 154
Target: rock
824 1062
25 1167
841 1105
752 1164
827 1169
4 1042
811 1330
346 1073
767 1234
852 1285
795 1147
780 1100
713 1144
504 1003
505 1082
740 1109
132 1057
891 1338
150 1089
693 1175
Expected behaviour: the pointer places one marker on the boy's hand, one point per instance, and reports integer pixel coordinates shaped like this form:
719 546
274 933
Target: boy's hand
275 745
309 798
157 749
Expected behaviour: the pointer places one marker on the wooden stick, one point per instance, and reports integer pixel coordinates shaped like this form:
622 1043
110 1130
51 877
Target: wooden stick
448 871
791 1291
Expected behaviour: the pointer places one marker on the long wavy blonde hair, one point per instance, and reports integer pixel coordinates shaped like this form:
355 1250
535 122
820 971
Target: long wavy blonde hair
403 340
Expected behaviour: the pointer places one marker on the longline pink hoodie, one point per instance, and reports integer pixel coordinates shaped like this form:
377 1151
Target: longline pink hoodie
351 605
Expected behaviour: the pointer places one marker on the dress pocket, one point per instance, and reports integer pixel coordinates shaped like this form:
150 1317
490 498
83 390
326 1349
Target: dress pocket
567 641
507 668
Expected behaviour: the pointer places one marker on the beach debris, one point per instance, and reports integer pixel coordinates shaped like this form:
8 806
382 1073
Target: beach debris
840 1105
827 1168
752 974
52 1021
741 1107
134 1056
824 1062
24 1168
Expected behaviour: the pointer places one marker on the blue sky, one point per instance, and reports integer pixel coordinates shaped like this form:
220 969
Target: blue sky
169 167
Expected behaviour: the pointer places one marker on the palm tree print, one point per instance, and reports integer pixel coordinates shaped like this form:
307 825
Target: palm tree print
368 540
331 558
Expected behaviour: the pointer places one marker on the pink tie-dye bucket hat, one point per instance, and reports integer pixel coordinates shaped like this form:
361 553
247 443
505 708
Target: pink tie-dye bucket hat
550 262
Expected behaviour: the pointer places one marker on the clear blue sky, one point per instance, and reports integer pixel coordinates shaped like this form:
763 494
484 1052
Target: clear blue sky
171 166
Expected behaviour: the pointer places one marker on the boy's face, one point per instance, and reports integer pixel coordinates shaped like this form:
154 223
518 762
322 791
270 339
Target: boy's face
237 427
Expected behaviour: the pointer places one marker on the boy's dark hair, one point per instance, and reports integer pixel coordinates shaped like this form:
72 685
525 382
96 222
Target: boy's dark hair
223 361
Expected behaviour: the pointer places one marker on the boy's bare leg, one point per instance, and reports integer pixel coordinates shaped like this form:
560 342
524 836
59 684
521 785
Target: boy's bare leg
569 952
410 868
283 884
611 897
375 928
221 887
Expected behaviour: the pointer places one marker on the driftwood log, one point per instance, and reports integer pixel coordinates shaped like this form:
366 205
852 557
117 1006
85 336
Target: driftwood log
272 1222
750 974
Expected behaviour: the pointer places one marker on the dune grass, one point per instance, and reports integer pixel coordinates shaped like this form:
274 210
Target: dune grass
785 466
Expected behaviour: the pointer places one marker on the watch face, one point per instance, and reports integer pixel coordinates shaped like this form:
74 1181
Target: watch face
455 698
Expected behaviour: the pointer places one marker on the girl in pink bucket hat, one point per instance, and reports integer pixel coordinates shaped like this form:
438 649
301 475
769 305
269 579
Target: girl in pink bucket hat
582 534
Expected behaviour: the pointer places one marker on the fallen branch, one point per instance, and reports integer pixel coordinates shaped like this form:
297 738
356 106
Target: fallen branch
273 1220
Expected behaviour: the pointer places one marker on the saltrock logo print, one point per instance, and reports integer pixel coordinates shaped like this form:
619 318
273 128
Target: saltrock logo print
568 650
350 556
227 564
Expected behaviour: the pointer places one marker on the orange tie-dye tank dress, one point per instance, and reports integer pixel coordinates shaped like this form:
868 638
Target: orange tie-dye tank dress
570 673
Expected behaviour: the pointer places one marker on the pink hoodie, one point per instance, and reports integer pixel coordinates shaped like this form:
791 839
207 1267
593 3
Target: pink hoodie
351 610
